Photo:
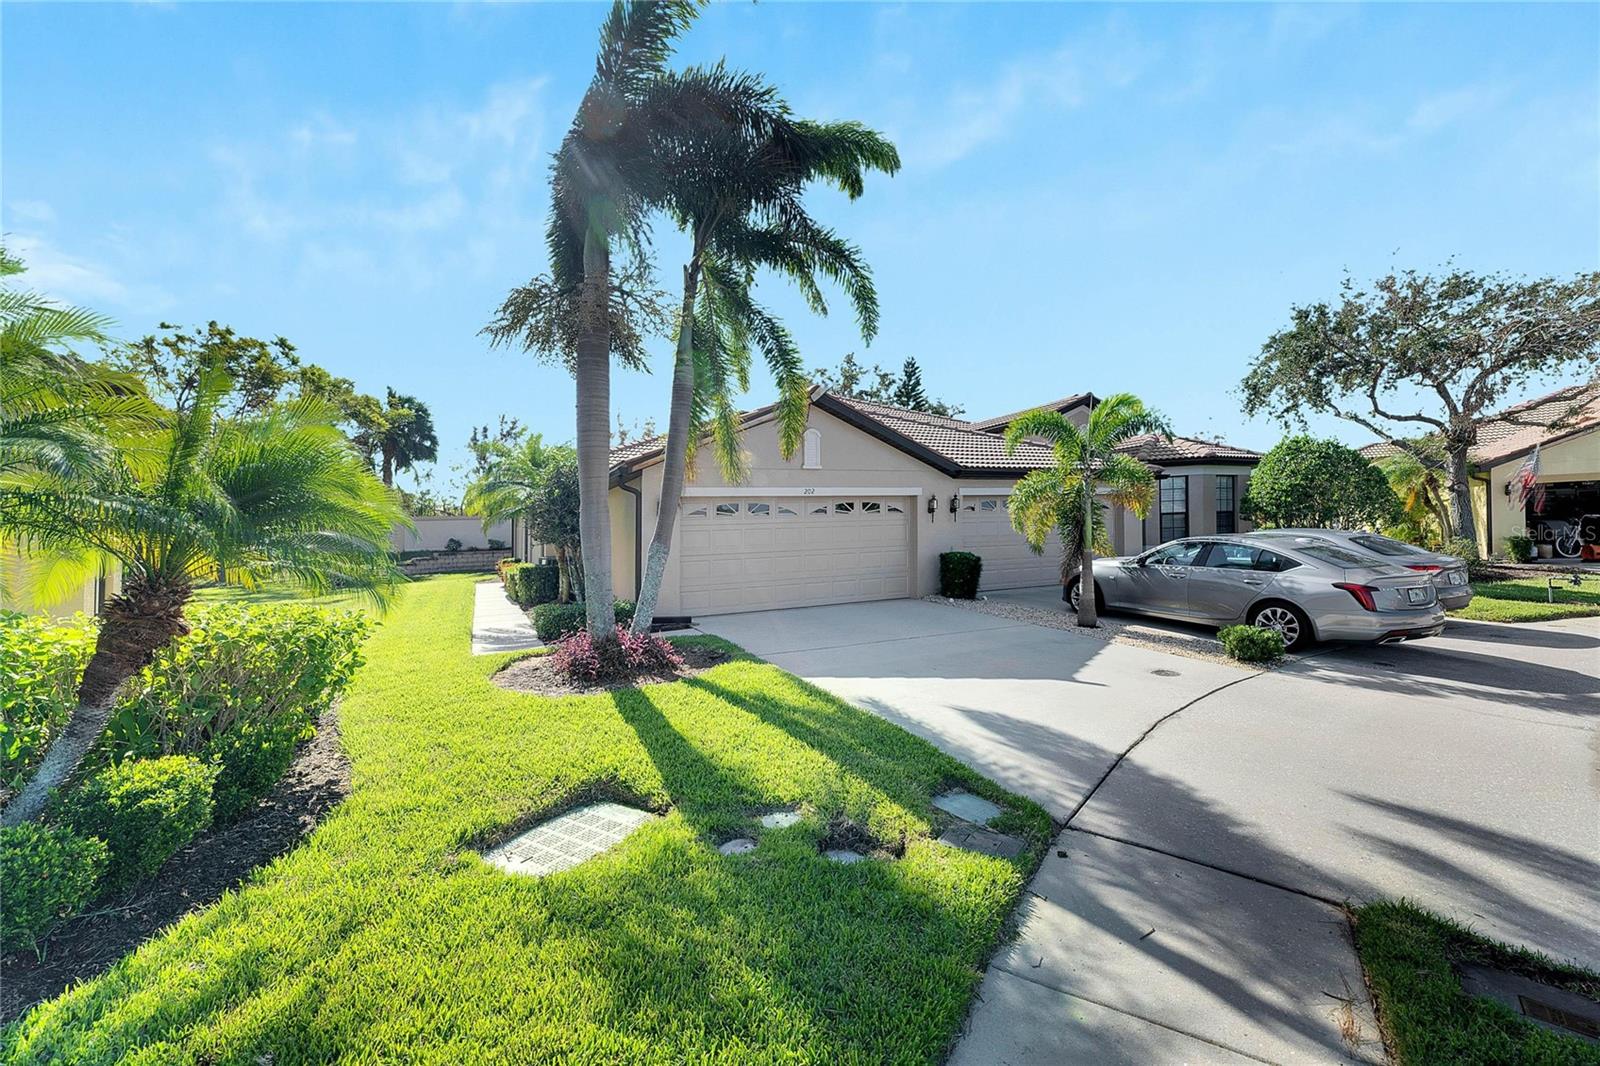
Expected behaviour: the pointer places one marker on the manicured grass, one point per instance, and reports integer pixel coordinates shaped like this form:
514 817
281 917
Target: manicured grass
1408 954
385 938
278 594
1523 599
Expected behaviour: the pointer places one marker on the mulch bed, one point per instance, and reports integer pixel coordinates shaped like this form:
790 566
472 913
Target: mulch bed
538 673
87 945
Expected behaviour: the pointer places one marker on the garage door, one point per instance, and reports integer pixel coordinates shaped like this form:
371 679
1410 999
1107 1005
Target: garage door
1008 562
753 554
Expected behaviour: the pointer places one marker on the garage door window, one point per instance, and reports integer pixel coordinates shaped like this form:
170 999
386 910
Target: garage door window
698 512
989 505
894 508
844 507
728 509
820 508
761 509
784 510
871 507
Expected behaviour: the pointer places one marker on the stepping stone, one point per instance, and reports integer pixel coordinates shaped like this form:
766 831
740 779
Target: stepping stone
565 841
780 819
737 846
844 856
982 841
967 807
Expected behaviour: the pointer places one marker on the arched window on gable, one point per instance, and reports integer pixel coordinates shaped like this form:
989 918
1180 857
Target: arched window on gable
811 450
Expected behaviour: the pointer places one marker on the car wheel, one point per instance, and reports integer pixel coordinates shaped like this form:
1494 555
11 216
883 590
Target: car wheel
1074 595
1288 622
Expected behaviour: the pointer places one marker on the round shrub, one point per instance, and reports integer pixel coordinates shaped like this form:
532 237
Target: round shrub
958 575
145 810
585 661
1252 644
1519 548
552 621
249 759
49 872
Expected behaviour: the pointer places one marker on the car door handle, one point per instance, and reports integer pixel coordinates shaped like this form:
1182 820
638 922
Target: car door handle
1254 581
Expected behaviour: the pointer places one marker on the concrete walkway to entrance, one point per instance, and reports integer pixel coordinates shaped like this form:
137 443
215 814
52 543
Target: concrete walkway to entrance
1216 817
498 624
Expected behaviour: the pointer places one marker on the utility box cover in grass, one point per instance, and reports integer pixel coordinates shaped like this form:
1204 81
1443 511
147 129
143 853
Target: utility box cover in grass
565 841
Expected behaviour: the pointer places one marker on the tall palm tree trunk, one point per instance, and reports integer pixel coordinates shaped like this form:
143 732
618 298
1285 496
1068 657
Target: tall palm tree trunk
137 623
676 461
1087 614
593 374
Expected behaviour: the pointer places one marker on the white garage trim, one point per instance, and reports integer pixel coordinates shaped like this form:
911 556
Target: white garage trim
742 490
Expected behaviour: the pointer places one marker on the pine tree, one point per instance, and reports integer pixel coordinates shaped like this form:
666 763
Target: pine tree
909 393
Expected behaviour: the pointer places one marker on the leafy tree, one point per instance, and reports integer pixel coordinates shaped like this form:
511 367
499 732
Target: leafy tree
737 167
517 485
877 385
398 435
909 393
1322 484
1419 485
1067 497
602 178
172 365
275 495
629 432
488 445
1426 355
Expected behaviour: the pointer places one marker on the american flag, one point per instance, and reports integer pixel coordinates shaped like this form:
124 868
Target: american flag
1527 481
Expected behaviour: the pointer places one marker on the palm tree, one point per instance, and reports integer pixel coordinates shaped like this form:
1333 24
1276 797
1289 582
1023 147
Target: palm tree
601 169
280 495
737 167
515 485
1420 486
1087 465
399 434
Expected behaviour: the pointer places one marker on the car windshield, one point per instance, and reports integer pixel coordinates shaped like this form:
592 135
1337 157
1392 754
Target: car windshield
1329 554
1386 546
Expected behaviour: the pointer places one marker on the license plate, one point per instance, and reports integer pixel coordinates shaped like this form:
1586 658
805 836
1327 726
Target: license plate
1455 577
1416 595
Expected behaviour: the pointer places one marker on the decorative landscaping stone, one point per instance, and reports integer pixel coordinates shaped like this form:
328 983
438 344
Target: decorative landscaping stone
564 842
840 855
737 846
780 819
967 807
982 841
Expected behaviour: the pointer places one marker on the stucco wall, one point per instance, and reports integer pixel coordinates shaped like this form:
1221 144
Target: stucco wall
851 460
432 533
1574 459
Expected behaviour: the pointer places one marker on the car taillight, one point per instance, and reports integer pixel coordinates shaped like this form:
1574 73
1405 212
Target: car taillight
1362 593
1426 568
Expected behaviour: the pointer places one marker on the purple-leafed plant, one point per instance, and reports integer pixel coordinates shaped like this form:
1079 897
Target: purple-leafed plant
625 655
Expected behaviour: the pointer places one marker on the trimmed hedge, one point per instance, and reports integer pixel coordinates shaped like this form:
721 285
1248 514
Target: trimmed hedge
1252 644
531 584
144 810
41 661
958 575
49 873
552 621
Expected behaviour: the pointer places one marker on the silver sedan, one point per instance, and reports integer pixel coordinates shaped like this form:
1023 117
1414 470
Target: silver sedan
1304 587
1447 572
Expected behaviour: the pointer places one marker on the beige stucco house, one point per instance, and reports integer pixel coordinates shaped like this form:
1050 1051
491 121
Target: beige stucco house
864 508
1565 426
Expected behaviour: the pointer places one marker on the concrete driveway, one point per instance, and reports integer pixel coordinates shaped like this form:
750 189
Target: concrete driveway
1186 912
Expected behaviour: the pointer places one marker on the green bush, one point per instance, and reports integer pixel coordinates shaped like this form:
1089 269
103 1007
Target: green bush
530 584
552 621
1252 644
144 809
1519 548
41 661
1467 548
48 872
241 689
958 575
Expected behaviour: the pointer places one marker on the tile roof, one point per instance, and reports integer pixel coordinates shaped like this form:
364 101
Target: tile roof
951 439
637 449
1157 449
1066 403
1513 432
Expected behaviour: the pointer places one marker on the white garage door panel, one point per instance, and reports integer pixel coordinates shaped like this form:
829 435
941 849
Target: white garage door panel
1008 562
750 554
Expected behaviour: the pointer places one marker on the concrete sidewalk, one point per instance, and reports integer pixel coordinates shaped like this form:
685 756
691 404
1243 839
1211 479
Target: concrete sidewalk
498 624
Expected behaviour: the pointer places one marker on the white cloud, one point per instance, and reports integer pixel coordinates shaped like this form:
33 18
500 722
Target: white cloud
1451 106
75 279
30 212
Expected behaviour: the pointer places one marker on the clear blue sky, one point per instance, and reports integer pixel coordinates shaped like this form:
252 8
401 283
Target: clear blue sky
1094 197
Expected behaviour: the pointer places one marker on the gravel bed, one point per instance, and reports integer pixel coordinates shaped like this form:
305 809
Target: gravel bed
1113 629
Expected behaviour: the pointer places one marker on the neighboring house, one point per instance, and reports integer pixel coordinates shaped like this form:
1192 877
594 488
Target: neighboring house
869 501
1565 425
435 532
87 598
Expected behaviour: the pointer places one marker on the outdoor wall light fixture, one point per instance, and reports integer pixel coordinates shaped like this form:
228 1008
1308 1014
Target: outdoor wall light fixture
933 507
955 505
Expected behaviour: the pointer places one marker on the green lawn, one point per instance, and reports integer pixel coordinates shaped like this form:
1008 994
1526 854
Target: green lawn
1408 954
1523 599
385 938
